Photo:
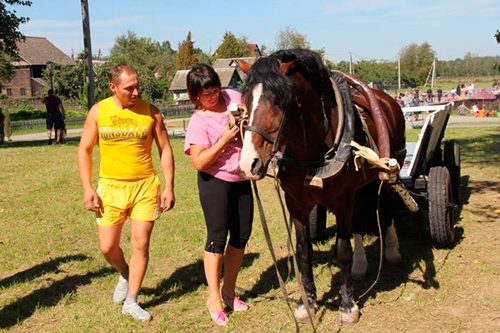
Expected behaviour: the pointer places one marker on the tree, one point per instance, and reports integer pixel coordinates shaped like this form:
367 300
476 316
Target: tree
290 38
9 36
203 58
9 27
151 59
186 56
416 61
497 36
232 47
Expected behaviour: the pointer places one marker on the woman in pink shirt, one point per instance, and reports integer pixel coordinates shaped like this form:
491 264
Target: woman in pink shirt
226 196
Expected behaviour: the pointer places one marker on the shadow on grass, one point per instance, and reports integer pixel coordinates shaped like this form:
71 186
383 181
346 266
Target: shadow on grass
184 280
51 266
417 255
38 143
24 307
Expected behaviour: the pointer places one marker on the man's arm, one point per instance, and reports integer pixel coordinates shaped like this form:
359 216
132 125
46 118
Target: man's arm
87 142
63 111
160 135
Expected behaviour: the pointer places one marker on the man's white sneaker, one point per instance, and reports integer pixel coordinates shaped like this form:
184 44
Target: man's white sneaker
136 312
121 290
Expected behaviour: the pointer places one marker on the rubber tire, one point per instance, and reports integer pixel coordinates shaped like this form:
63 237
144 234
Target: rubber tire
317 223
440 212
451 161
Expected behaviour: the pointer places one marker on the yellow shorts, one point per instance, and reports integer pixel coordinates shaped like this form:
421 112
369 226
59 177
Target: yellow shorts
138 200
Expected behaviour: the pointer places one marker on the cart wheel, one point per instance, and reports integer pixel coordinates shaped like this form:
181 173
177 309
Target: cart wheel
452 162
440 210
317 223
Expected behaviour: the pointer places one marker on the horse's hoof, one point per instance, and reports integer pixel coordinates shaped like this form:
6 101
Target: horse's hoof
349 317
300 312
393 258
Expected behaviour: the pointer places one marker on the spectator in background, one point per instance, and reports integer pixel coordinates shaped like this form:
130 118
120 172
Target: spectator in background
458 91
470 89
417 92
399 99
439 94
453 93
55 116
462 109
475 109
429 95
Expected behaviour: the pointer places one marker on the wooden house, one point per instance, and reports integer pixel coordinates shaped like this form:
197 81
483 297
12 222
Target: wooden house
35 55
229 78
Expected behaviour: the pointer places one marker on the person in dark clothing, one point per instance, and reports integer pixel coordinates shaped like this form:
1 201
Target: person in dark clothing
430 96
439 94
55 116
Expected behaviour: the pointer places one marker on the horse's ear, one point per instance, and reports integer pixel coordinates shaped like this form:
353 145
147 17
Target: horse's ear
285 66
243 65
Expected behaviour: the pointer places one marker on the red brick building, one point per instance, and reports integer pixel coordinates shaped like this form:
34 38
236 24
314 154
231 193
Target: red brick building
35 53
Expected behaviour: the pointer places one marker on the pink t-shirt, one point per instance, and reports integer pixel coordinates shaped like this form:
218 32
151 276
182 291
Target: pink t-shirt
206 128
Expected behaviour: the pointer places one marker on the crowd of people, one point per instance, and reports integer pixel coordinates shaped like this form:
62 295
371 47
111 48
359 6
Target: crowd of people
413 97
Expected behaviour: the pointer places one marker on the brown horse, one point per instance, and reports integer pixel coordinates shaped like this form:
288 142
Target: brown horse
296 123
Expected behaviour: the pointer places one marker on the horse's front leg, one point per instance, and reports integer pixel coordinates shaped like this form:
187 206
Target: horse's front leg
304 260
349 311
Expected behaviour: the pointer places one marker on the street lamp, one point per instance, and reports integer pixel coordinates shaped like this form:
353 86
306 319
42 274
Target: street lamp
49 66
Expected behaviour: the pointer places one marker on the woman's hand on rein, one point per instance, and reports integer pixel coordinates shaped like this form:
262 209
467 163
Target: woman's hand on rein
230 133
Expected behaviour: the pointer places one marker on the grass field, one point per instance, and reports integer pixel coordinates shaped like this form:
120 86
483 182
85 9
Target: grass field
53 278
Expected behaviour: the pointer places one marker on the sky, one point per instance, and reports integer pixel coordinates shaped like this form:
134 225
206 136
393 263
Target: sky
345 29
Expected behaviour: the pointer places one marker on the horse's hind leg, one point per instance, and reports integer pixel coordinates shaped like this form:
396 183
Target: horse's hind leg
392 254
360 264
304 261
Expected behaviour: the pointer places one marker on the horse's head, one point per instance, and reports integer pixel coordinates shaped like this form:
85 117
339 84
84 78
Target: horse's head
268 95
288 96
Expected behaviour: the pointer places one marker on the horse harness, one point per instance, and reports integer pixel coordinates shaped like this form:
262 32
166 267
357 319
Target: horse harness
338 155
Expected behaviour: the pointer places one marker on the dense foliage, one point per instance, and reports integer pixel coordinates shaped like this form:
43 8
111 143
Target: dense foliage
187 56
157 62
9 35
232 47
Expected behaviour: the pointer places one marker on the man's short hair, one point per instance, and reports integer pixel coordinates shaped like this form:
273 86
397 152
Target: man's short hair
116 71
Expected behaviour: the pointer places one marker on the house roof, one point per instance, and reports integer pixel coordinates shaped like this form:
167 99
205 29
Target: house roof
230 62
38 51
179 80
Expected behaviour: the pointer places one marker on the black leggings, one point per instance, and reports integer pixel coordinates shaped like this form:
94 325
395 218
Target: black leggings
228 208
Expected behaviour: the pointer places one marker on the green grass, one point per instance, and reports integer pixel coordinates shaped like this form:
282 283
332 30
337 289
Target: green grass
54 279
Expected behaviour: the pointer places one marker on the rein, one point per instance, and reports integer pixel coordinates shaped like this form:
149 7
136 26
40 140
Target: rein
290 248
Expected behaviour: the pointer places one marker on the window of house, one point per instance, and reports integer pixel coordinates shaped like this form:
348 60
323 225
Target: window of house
23 91
9 91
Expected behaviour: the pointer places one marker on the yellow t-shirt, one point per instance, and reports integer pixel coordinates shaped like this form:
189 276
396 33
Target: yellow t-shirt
125 140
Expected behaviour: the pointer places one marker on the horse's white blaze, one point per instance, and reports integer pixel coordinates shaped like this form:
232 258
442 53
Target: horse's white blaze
249 153
359 262
392 254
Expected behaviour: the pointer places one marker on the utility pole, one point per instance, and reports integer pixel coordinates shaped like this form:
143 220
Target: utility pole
351 68
399 74
87 44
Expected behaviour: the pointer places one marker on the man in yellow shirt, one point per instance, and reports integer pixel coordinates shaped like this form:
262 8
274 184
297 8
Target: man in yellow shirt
124 127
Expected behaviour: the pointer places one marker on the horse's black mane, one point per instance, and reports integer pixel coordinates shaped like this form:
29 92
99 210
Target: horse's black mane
306 62
278 87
